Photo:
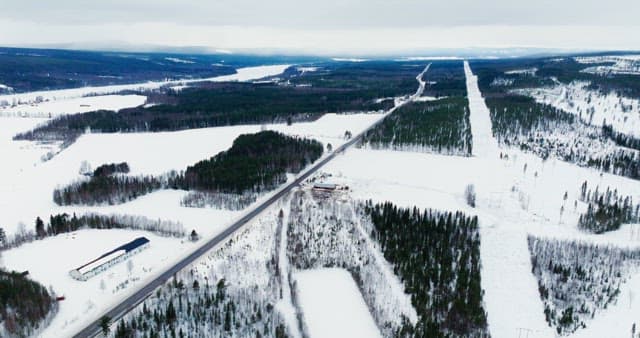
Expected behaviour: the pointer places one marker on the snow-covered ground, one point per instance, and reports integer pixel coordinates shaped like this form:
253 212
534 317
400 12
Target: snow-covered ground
333 306
616 321
621 64
516 196
525 71
349 59
50 260
242 74
26 186
4 87
592 106
73 106
307 69
178 60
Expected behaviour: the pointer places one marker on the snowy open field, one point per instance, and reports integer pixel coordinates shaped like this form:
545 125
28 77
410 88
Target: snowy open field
74 106
332 305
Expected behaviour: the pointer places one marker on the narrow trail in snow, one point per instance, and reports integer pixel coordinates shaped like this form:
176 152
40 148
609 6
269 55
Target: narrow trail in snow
484 145
511 296
286 304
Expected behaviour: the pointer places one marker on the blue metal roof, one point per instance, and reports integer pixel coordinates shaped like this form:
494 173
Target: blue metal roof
136 243
133 244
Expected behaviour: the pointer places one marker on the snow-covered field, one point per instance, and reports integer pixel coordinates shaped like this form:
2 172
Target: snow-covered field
50 260
593 107
73 106
332 305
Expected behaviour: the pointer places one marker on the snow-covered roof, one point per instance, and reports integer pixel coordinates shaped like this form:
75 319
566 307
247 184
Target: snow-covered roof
119 251
102 260
324 186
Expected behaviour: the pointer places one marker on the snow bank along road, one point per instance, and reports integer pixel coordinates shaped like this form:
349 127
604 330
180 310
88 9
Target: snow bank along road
139 296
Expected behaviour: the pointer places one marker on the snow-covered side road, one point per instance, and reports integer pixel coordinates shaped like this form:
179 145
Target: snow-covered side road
511 293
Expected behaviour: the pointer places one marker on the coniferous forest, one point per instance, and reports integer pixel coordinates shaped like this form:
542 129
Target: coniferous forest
440 126
445 79
606 210
255 162
24 304
517 115
437 256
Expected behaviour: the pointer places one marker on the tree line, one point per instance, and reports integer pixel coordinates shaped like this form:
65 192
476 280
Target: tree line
112 168
64 223
106 190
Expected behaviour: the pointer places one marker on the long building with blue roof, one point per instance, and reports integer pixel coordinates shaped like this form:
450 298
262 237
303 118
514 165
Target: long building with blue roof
109 259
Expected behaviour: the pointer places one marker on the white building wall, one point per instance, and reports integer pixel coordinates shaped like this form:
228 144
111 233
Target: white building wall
75 274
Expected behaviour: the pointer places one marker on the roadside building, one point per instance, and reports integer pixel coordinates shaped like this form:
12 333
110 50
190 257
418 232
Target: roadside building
324 186
109 259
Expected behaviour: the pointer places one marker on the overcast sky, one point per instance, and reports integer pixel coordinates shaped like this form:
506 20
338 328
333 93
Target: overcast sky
327 26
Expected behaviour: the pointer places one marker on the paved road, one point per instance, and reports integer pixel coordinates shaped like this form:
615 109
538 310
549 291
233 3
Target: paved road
139 296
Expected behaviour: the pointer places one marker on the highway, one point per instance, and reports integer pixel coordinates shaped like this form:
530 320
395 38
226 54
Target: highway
128 304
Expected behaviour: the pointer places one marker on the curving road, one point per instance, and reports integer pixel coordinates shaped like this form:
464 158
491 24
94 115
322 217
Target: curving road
139 296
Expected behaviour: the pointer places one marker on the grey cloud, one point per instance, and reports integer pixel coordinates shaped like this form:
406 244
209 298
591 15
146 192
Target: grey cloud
328 14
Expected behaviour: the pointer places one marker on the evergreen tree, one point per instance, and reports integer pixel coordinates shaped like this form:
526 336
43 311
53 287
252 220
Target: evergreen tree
40 231
3 238
105 323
